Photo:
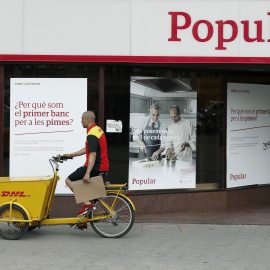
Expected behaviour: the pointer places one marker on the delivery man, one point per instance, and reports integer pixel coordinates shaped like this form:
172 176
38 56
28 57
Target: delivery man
96 157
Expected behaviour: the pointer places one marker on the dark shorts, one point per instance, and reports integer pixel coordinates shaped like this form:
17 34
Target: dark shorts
80 173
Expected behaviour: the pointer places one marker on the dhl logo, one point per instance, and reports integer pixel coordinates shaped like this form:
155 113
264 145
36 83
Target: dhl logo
13 194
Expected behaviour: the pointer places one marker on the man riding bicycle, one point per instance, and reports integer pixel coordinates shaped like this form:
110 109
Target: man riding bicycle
96 157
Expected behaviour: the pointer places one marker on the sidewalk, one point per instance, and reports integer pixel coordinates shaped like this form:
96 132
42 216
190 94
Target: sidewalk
240 216
146 246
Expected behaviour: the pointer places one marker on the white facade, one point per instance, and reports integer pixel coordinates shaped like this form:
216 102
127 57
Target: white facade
136 30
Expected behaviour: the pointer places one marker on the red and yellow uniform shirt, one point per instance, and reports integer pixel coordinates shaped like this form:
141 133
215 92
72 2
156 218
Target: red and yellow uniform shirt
96 142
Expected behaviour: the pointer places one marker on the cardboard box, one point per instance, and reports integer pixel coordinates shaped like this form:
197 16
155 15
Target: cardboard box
89 191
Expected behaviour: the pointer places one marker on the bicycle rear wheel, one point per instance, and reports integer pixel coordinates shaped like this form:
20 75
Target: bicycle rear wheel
120 223
13 230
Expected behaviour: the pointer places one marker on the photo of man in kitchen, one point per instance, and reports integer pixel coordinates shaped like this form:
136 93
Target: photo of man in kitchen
181 137
151 134
162 139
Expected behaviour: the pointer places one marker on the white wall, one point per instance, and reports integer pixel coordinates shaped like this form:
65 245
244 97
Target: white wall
128 28
65 27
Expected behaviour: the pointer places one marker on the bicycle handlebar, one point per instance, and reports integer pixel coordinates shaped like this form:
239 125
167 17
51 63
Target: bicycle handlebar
60 158
65 158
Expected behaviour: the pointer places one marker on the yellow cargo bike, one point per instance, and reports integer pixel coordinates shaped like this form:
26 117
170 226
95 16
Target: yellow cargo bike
25 204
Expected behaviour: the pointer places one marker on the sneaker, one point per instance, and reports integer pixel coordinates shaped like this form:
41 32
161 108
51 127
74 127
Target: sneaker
86 208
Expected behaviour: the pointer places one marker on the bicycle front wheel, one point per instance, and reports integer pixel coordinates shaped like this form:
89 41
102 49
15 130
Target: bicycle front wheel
13 230
121 221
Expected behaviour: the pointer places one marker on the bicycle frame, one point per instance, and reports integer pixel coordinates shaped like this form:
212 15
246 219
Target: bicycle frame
45 220
26 202
58 221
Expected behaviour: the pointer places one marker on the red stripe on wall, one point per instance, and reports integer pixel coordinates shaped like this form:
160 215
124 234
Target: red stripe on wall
131 59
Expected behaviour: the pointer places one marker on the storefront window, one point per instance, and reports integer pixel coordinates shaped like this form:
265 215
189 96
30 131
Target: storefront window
198 90
91 72
201 101
116 107
199 93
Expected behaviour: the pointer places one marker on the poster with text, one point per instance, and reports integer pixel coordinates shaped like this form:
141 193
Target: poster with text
45 120
162 121
248 134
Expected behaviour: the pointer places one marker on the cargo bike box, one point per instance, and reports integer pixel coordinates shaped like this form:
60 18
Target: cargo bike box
31 193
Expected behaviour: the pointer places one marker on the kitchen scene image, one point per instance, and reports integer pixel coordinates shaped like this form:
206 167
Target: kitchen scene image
162 137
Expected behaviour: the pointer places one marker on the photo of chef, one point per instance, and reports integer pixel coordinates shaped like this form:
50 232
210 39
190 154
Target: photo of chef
162 141
150 136
181 137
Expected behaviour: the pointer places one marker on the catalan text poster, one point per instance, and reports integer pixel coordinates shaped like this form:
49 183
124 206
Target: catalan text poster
248 139
45 120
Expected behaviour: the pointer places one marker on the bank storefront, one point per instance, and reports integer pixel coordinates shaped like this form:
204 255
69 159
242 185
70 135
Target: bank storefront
131 61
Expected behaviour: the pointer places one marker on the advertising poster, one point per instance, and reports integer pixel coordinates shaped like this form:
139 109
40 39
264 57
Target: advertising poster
248 139
45 120
162 141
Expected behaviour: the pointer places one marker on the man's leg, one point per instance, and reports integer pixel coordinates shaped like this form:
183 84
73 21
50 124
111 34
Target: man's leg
92 174
88 204
69 184
76 175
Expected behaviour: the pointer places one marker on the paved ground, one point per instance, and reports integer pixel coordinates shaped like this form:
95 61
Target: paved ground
146 246
240 216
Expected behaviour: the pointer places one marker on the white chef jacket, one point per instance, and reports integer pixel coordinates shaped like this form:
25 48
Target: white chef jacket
178 133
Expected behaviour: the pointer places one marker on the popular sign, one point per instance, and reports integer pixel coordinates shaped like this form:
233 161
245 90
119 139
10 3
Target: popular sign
143 29
219 26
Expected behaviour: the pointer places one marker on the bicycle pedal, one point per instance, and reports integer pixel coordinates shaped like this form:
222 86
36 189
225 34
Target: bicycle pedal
90 210
87 212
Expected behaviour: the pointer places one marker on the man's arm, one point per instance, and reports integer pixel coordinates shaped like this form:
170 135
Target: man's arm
192 139
76 154
91 163
93 143
141 144
169 143
163 133
156 154
137 137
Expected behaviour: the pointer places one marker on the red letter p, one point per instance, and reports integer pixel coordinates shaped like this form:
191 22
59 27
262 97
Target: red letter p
175 27
221 38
